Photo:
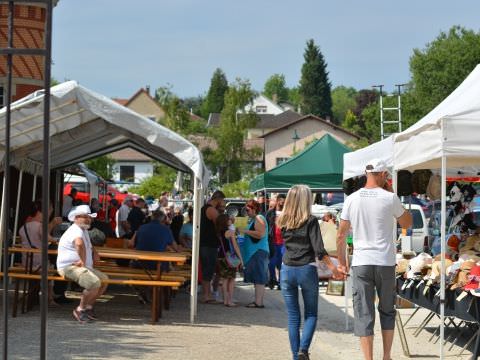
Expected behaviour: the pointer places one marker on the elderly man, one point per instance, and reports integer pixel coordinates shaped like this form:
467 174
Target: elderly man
370 212
75 262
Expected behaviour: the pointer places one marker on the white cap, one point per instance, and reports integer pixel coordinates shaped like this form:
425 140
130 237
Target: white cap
80 210
376 166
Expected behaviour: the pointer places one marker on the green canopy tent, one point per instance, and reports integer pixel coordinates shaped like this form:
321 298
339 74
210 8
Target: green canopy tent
320 166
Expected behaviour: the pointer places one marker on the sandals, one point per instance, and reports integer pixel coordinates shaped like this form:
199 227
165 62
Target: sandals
254 305
231 305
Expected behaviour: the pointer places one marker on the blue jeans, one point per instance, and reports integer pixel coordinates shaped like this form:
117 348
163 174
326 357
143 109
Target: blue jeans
275 262
305 277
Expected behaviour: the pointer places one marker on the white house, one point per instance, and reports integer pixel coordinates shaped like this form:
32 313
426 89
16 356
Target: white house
263 105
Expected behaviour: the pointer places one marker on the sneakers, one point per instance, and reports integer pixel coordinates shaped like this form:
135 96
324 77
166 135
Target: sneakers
81 316
303 355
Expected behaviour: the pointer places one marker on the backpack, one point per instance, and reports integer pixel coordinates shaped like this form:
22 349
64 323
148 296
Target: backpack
404 187
420 180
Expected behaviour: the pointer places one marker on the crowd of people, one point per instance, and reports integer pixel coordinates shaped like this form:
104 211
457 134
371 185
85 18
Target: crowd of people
279 247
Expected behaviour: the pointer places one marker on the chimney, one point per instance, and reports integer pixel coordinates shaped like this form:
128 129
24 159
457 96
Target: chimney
147 89
275 98
328 118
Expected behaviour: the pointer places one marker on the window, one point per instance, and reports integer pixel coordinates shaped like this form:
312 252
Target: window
281 160
127 173
259 109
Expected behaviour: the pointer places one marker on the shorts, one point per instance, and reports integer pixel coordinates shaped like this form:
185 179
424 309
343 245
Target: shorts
88 278
226 272
208 259
256 270
366 279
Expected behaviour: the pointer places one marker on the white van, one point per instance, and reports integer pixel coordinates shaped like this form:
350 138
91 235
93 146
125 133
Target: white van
419 238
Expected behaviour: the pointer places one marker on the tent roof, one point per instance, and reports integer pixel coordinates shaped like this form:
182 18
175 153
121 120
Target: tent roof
319 166
420 146
84 124
354 162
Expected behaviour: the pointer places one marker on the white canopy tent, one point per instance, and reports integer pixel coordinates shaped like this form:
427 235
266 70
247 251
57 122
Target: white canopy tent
83 125
446 138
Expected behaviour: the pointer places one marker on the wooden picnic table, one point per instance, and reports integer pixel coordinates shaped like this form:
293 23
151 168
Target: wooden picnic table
123 253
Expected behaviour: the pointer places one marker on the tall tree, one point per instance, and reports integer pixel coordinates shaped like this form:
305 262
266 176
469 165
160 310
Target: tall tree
231 133
275 88
315 87
102 165
444 63
216 94
343 100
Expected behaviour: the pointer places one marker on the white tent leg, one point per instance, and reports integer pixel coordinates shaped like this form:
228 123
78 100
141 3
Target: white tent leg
197 200
443 242
34 192
17 210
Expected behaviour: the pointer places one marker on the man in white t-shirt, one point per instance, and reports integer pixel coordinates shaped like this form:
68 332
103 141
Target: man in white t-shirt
123 226
75 262
371 212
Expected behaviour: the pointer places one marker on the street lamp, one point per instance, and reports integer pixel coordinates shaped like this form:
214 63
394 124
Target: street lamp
295 137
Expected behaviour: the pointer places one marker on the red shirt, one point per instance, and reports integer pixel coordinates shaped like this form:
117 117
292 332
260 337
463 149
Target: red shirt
278 239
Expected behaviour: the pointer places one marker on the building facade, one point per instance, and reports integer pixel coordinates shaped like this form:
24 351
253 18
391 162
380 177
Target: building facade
29 33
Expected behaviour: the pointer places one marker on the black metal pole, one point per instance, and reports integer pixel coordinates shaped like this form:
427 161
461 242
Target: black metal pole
46 180
6 181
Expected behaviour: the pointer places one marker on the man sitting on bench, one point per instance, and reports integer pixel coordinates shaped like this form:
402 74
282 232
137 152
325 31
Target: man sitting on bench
75 262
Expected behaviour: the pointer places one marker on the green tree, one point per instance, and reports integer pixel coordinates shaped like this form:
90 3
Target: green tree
314 84
275 88
343 100
177 114
102 165
237 189
216 93
444 63
294 97
231 133
163 179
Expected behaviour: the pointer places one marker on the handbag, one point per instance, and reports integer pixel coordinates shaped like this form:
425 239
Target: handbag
231 258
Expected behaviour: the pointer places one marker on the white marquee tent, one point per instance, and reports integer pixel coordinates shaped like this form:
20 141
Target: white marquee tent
446 138
83 125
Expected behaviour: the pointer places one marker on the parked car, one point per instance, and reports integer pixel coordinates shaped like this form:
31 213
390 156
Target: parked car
235 207
418 240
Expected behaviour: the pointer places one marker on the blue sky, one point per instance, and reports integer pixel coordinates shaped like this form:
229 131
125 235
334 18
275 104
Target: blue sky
117 46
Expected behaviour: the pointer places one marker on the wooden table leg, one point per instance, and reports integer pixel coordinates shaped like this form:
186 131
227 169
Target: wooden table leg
154 305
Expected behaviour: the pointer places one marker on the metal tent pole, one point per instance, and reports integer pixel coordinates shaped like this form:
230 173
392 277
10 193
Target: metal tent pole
197 202
443 238
46 180
6 179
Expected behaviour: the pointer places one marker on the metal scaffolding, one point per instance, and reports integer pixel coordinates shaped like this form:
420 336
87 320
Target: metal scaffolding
10 51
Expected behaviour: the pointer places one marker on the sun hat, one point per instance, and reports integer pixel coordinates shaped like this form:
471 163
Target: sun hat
376 166
80 210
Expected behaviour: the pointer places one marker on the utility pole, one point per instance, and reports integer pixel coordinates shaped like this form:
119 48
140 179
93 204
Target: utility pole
397 108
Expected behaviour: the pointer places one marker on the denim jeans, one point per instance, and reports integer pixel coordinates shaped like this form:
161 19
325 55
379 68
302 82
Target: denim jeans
306 278
275 262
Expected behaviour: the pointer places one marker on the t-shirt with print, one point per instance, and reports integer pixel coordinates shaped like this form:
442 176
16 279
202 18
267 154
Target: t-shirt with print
371 213
67 254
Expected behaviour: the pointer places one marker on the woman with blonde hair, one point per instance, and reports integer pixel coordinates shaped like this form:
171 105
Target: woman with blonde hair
303 246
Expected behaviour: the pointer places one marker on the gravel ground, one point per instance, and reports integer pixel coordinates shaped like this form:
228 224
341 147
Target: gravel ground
124 331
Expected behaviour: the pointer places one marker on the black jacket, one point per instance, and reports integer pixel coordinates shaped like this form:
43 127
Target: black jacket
304 244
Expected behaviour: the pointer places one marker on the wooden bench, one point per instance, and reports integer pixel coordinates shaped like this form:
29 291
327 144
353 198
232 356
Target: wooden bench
156 285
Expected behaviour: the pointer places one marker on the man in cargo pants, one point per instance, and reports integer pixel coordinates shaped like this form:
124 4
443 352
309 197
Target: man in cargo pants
370 212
